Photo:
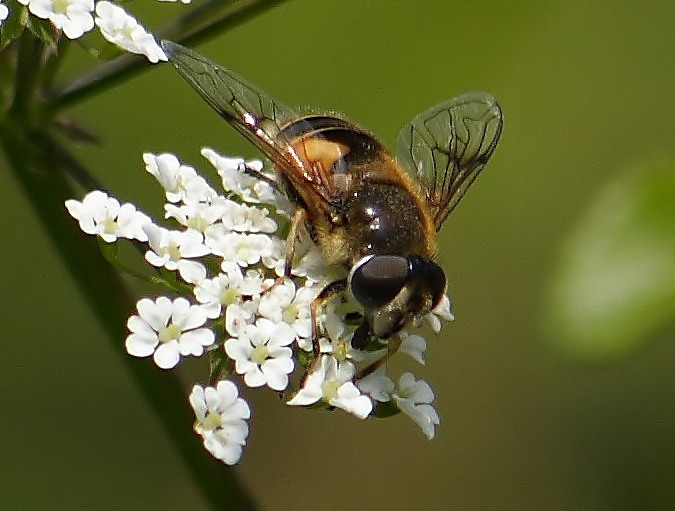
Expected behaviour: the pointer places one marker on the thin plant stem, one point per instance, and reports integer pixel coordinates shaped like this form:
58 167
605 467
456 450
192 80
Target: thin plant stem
213 17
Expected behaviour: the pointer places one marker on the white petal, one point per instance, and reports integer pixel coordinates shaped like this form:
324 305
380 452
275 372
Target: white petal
254 377
140 346
196 340
415 346
197 401
189 316
351 400
276 372
167 355
191 272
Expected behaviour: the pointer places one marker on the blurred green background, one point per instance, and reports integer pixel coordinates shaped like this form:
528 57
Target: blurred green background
534 414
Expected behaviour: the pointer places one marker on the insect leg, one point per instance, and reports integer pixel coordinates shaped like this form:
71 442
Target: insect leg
327 293
394 345
299 220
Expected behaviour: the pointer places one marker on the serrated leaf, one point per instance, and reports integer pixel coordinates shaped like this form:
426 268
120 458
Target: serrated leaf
614 287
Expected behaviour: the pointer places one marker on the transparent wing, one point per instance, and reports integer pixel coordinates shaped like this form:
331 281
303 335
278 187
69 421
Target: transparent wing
252 112
447 146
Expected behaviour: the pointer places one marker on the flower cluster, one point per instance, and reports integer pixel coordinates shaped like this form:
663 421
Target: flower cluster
224 259
76 18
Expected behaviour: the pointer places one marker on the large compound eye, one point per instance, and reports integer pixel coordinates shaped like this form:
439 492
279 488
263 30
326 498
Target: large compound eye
377 280
429 276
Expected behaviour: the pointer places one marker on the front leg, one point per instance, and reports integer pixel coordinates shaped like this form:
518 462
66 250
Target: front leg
327 293
298 221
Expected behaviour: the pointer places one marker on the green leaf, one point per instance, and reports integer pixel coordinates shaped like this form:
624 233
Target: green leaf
614 287
109 250
42 29
13 26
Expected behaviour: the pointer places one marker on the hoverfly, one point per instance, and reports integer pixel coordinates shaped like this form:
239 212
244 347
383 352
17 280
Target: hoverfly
375 215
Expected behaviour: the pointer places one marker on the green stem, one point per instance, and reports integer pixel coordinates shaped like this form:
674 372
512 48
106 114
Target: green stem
46 187
27 76
196 25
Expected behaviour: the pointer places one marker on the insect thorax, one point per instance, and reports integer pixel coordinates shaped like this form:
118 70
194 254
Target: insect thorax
383 218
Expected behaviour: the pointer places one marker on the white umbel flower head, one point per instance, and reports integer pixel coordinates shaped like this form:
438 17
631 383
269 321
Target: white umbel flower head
121 29
103 216
166 330
72 16
332 383
262 355
414 399
221 420
253 317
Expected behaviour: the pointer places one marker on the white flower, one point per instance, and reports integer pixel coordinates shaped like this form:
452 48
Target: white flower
196 215
332 383
167 329
245 249
221 420
121 29
236 180
377 385
282 303
312 266
413 345
414 399
104 216
227 289
443 311
4 12
180 182
243 218
172 250
262 355
72 16
238 316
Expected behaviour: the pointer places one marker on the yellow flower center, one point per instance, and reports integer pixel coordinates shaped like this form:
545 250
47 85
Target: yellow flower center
209 423
260 354
329 390
110 226
60 6
197 223
169 333
229 296
340 350
290 313
173 252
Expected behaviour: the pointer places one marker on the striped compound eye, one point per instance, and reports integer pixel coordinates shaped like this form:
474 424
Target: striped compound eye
376 280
